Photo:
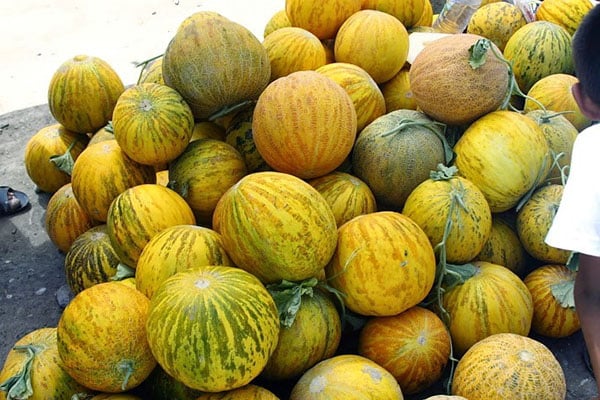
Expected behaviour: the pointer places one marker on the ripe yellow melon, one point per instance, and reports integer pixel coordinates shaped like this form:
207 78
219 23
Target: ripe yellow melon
554 92
368 100
277 20
409 12
448 89
292 49
322 18
397 92
375 41
497 22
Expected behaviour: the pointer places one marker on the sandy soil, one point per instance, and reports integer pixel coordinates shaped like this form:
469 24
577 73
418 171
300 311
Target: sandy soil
39 35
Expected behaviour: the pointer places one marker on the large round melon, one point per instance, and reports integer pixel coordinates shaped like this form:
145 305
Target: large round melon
505 154
395 153
447 88
276 226
304 124
214 62
213 328
539 49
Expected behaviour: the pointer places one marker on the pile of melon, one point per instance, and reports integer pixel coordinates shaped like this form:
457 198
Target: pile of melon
312 215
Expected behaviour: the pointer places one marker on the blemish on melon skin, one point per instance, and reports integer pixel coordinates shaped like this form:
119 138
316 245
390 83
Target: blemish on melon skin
317 384
373 373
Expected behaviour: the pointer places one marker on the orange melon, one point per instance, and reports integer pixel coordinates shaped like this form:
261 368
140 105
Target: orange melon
304 124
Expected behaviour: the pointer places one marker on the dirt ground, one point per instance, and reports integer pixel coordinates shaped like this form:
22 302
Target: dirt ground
33 289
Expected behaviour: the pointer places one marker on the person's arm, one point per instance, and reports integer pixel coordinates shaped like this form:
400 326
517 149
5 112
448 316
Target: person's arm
587 304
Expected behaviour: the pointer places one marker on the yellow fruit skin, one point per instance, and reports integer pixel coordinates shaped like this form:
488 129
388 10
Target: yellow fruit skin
397 92
496 21
410 13
554 92
101 173
304 124
533 223
277 20
344 377
97 347
383 263
504 154
490 369
292 49
366 96
504 247
413 345
494 300
313 336
567 14
550 318
51 140
83 92
65 219
141 212
322 18
431 204
375 41
152 123
49 380
347 195
276 226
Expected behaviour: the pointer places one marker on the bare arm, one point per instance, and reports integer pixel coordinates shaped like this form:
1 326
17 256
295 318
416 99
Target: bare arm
587 302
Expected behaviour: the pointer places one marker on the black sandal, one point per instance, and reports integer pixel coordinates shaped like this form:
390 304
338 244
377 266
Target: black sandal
12 201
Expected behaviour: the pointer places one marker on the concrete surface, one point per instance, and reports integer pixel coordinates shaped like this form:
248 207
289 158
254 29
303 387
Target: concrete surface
38 37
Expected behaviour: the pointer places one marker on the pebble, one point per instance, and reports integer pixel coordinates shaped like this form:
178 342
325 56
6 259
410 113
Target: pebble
40 291
63 296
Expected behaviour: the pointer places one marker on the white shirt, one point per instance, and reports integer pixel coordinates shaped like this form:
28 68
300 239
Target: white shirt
576 225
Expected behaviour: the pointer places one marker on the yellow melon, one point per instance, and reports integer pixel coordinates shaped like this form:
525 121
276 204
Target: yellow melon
366 96
397 93
497 22
322 18
375 41
554 93
292 49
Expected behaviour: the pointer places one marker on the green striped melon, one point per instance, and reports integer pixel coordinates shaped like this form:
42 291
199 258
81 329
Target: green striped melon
65 219
313 335
213 328
276 226
52 140
152 123
91 259
566 13
83 92
141 212
347 195
176 249
214 63
45 375
101 173
539 49
203 172
239 135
